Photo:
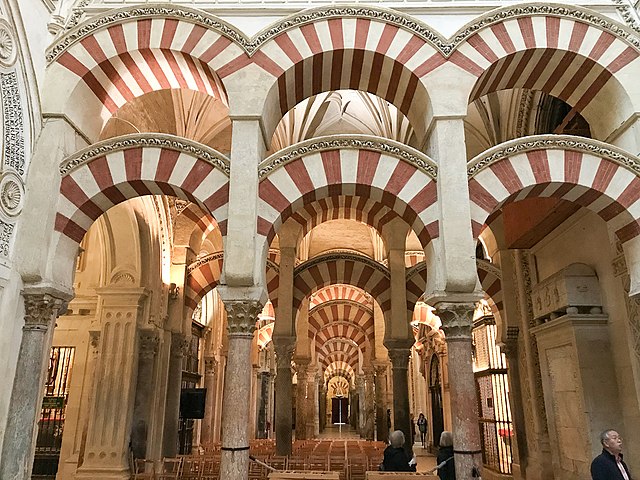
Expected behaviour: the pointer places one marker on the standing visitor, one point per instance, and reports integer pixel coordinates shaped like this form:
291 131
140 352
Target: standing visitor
422 427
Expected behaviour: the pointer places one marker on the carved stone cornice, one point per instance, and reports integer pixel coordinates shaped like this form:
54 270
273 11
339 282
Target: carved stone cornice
242 316
204 260
510 345
149 343
41 310
545 142
457 320
407 22
140 140
331 257
359 142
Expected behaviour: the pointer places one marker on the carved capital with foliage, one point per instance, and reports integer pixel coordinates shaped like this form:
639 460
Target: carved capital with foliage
41 309
241 316
457 320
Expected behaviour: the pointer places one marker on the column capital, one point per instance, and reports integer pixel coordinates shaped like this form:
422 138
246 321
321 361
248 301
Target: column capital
510 346
179 344
284 347
149 343
457 320
381 368
210 365
40 310
241 316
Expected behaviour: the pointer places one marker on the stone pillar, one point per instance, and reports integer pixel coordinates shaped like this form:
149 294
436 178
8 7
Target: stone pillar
94 343
179 345
111 410
457 321
217 415
241 321
518 440
210 368
361 407
41 310
302 366
399 352
323 407
264 381
284 350
148 344
369 410
382 429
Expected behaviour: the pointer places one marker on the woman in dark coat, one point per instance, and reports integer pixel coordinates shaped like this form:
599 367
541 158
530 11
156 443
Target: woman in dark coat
445 453
395 457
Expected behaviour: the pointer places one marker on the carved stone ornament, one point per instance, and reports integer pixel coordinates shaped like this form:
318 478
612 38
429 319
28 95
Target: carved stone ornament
7 45
360 142
550 142
210 365
13 123
284 351
41 310
149 343
179 345
241 316
11 194
399 357
457 320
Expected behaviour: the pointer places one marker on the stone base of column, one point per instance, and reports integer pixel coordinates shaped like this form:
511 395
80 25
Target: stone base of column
114 473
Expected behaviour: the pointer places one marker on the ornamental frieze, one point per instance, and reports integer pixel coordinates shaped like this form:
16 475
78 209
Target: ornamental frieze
13 123
125 142
444 45
551 142
356 142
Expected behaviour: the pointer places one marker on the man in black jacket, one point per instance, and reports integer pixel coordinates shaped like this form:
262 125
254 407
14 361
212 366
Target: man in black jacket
609 465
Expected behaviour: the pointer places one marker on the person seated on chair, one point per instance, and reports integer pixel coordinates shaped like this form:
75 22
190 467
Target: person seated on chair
395 457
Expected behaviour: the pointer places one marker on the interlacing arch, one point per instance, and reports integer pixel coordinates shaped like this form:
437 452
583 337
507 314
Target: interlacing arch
110 172
203 275
114 57
589 173
397 176
356 270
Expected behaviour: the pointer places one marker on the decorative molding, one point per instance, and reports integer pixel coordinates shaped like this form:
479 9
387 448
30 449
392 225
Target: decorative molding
356 142
341 256
242 316
8 45
489 268
12 118
11 194
547 142
628 14
204 260
136 140
446 46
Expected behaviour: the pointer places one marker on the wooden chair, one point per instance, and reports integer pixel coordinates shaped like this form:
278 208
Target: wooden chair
210 468
143 469
191 468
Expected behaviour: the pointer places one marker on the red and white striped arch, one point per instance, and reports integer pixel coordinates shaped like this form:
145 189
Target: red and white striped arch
273 282
360 209
342 319
587 179
339 368
499 40
340 292
346 330
491 283
198 222
118 60
416 281
329 269
94 181
202 277
363 54
383 178
337 351
265 334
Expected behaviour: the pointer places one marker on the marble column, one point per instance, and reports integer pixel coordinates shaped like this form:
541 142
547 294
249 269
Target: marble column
111 410
284 347
302 369
457 320
323 407
399 352
241 321
41 310
148 344
179 346
361 407
518 441
264 381
210 368
369 409
382 428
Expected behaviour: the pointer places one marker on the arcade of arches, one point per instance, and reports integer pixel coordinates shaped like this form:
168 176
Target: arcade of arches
222 222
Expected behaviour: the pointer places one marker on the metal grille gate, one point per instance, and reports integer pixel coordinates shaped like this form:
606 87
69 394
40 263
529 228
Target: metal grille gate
54 403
